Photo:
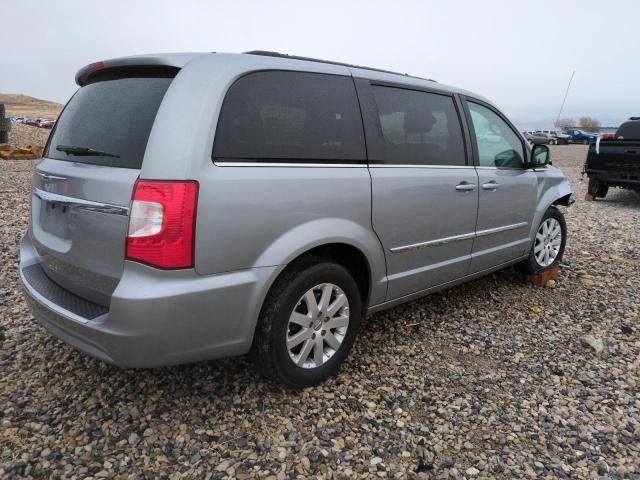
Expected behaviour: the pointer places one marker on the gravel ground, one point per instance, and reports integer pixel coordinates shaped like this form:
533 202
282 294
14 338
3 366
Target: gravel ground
495 378
23 135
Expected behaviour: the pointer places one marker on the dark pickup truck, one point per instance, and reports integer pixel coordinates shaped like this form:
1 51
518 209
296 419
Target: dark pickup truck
615 162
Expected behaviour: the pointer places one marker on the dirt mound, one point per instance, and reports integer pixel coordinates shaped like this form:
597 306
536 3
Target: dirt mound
25 106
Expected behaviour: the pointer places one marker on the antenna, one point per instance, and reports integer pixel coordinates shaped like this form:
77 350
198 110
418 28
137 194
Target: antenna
564 99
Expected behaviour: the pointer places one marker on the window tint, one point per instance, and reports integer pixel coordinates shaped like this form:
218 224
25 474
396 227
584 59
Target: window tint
292 116
419 128
113 116
498 144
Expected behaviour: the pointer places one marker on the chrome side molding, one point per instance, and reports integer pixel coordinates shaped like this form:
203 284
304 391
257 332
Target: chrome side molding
80 203
491 231
458 238
433 243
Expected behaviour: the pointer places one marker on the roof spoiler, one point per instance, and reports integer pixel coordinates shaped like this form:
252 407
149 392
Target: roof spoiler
138 62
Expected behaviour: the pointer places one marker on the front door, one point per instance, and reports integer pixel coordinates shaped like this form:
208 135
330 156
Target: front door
424 195
507 189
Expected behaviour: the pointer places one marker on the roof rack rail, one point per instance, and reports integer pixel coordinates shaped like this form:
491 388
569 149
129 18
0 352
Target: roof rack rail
267 53
634 118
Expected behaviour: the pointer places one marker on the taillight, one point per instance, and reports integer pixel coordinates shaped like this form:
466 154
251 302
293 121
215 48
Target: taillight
162 223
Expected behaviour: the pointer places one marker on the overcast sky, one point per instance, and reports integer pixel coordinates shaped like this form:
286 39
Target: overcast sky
518 54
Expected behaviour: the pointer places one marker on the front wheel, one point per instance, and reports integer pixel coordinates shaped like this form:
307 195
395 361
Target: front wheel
548 246
552 142
308 324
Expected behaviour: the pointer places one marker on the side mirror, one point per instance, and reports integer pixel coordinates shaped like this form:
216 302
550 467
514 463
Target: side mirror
540 156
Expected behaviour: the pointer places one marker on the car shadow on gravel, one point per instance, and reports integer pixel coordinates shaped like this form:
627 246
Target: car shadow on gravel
221 381
621 198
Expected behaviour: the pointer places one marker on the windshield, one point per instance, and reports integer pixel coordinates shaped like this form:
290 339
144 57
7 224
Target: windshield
113 116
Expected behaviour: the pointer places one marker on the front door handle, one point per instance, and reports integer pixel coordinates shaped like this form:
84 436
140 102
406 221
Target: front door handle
492 185
465 186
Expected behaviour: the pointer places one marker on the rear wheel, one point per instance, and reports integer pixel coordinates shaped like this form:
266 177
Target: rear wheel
308 324
548 246
552 142
585 142
598 188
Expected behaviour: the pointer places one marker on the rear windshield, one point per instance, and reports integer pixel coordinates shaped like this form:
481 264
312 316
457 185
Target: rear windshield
112 116
629 131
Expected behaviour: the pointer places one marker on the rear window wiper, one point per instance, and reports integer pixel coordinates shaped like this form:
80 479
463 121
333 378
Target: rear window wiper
84 151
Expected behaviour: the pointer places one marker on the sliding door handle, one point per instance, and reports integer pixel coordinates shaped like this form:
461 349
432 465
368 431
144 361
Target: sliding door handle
492 185
465 186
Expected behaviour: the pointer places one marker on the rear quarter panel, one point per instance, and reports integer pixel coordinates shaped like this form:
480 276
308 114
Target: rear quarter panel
258 216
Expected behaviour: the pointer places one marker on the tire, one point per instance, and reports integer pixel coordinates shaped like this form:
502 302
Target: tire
532 265
585 142
552 142
298 367
598 188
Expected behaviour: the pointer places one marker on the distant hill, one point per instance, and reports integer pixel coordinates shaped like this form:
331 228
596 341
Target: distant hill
24 106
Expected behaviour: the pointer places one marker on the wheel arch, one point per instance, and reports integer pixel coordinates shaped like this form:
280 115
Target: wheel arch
344 253
553 191
334 238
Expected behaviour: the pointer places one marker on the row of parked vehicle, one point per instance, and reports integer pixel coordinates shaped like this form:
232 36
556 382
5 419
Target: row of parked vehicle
35 122
552 137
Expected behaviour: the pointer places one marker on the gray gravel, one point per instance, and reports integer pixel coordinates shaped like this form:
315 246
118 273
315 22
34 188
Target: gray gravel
494 378
22 135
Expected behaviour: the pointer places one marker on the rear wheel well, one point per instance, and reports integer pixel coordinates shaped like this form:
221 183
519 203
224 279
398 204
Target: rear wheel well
346 255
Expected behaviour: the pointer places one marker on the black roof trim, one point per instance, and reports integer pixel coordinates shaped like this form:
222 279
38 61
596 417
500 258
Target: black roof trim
267 53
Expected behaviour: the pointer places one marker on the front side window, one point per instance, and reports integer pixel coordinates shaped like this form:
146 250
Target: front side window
419 127
498 144
293 116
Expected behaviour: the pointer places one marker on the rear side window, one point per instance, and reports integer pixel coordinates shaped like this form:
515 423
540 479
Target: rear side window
112 116
419 127
290 116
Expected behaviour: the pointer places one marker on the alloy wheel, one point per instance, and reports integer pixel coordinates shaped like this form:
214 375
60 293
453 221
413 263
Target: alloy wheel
318 325
548 242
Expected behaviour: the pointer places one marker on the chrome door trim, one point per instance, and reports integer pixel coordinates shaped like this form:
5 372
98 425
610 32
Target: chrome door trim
439 167
433 243
290 164
458 238
337 165
504 228
80 203
480 167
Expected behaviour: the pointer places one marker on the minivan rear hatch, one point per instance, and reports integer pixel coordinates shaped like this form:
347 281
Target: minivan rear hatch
82 188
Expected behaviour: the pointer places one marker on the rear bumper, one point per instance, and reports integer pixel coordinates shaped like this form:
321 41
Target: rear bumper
155 317
616 177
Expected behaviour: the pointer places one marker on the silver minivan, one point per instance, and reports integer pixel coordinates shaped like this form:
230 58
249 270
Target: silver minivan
194 206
